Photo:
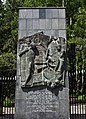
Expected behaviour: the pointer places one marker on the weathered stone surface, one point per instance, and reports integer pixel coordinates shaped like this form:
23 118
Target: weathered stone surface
49 13
64 94
41 100
62 13
55 24
22 13
36 24
64 107
42 60
56 33
62 24
48 32
48 24
42 23
62 33
55 13
42 13
25 13
29 24
35 13
22 33
42 103
22 24
28 13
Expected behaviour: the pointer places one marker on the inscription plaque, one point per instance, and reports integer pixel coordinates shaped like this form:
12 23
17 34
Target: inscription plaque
42 102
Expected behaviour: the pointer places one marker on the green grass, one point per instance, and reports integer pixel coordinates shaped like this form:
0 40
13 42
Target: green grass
81 97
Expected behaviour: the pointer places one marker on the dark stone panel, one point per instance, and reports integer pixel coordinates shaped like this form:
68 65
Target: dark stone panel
42 13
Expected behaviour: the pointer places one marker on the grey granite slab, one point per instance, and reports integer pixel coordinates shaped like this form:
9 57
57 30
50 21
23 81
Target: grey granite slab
55 13
62 23
62 33
22 33
29 24
42 23
56 33
22 24
40 102
42 13
49 13
22 13
64 109
48 24
48 32
64 94
25 13
35 13
29 13
55 24
61 13
36 24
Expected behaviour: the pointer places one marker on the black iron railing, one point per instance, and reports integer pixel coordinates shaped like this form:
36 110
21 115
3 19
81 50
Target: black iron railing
7 97
77 83
77 96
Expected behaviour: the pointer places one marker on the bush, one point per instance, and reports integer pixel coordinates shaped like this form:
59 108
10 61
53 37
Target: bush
8 102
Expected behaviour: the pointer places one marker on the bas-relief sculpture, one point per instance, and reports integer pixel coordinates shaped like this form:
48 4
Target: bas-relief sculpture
42 60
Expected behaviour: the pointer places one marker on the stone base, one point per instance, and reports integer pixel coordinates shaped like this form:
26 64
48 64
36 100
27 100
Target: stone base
42 103
42 115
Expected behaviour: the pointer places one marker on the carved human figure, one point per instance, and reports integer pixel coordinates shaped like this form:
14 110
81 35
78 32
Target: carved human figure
30 50
55 60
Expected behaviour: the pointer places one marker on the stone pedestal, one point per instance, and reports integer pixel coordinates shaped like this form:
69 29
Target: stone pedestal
42 103
36 97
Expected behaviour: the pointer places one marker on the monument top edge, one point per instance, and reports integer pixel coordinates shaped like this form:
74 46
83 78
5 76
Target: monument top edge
42 8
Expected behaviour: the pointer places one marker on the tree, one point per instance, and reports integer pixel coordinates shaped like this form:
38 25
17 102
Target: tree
7 64
75 10
42 3
77 35
9 36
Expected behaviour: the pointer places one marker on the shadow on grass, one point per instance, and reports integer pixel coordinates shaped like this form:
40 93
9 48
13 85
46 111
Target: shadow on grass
78 116
7 116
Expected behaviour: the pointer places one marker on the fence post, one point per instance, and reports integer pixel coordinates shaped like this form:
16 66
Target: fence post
1 103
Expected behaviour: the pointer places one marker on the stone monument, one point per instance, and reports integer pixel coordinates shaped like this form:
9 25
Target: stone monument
42 90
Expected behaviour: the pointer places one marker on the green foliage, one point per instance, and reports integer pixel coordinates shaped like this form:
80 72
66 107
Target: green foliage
77 34
80 24
76 30
82 97
8 36
8 102
42 3
7 64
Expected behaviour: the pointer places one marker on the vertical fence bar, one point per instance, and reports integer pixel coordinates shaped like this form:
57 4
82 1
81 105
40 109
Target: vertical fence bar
1 100
7 96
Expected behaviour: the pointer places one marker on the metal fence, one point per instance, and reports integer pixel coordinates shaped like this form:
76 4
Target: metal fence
77 83
7 97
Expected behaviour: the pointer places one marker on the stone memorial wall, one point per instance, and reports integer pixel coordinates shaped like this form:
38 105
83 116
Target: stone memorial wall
42 88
